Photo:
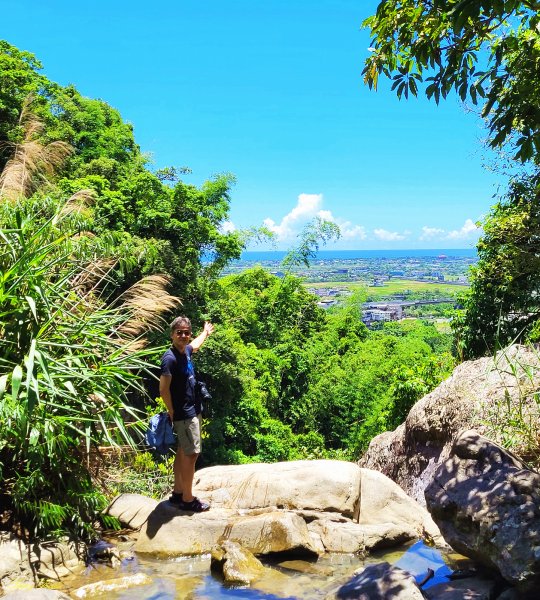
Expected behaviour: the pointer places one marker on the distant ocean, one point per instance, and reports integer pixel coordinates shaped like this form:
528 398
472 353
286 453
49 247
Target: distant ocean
352 254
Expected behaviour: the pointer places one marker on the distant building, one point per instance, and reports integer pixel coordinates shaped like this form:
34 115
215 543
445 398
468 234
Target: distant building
326 303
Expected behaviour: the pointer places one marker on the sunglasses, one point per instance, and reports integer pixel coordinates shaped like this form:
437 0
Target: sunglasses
183 332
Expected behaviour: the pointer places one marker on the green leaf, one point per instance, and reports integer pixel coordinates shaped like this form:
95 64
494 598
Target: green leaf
32 305
70 387
16 379
3 383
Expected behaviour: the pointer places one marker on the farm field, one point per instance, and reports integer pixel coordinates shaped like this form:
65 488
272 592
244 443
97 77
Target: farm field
392 288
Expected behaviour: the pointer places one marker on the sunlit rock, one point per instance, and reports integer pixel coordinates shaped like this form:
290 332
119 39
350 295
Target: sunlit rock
236 564
111 585
170 533
482 394
131 510
328 485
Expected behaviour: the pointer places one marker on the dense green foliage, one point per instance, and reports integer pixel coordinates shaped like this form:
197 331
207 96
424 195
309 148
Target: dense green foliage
503 304
292 381
69 359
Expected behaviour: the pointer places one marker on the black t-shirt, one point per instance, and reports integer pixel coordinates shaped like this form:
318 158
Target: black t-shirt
180 368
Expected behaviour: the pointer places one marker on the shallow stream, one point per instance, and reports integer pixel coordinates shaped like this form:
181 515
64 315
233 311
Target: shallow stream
189 578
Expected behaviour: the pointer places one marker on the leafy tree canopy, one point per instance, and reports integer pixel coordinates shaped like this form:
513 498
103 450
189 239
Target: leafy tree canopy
503 304
488 51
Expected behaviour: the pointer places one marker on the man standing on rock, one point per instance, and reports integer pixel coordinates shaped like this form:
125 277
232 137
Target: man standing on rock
178 390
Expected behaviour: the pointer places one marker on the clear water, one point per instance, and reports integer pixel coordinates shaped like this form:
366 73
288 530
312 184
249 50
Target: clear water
190 578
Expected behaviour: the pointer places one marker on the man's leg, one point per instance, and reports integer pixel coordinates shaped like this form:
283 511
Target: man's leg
187 472
189 448
177 470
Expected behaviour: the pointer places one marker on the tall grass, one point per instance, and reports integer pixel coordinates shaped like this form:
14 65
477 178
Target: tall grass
69 359
514 419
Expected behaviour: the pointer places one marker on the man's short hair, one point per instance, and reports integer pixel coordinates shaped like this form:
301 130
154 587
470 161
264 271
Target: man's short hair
179 322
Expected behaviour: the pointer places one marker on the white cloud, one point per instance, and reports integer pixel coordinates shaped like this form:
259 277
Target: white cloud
228 227
389 236
352 232
429 233
469 231
466 231
307 208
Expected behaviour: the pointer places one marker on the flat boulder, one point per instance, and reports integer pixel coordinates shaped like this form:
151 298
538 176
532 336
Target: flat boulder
328 485
300 507
131 510
168 532
487 505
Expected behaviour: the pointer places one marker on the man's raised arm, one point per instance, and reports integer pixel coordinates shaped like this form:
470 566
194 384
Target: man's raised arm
197 342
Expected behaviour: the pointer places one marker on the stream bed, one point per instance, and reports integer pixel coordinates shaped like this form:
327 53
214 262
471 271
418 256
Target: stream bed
189 578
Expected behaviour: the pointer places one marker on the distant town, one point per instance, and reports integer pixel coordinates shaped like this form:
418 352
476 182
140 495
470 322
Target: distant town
390 288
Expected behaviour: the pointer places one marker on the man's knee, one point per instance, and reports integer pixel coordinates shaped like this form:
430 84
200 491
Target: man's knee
192 457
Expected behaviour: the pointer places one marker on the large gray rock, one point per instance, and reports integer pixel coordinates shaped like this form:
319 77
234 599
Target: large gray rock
480 394
348 510
170 533
235 564
15 560
131 510
329 485
487 505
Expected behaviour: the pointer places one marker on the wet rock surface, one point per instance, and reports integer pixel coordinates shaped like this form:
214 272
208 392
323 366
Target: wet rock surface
380 582
487 505
110 586
36 594
236 564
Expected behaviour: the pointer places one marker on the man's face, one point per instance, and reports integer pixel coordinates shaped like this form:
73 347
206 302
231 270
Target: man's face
181 336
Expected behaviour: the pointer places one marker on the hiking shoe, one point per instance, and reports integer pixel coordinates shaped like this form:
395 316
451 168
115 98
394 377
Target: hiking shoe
194 506
176 498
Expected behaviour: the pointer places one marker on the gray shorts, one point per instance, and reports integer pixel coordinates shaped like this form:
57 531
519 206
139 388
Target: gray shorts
189 435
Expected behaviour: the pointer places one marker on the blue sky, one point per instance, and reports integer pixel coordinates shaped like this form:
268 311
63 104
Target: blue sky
272 92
